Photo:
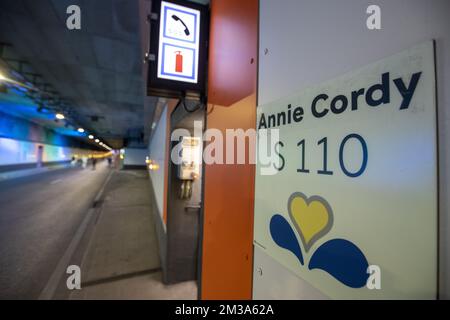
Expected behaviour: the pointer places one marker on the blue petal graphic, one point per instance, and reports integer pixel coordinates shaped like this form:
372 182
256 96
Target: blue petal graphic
283 235
343 260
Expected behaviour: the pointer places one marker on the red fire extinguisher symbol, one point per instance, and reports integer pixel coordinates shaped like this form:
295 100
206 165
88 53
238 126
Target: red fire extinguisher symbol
178 61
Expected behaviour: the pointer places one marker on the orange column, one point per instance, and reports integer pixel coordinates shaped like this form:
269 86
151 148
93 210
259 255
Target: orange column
227 247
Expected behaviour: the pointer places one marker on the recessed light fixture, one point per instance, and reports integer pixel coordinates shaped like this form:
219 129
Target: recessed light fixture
80 130
59 116
96 140
91 136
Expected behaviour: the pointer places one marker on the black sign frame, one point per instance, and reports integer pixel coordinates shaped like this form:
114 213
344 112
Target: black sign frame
173 88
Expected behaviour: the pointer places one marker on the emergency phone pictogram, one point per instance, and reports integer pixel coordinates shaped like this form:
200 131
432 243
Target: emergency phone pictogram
178 61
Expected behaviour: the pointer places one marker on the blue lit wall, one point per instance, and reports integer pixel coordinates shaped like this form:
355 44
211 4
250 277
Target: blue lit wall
21 113
20 137
20 129
20 152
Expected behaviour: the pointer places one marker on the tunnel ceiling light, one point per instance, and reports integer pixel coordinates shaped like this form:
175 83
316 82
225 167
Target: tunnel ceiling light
19 85
91 136
80 130
96 140
4 78
59 116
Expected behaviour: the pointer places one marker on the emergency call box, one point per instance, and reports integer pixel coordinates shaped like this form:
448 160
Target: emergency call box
189 167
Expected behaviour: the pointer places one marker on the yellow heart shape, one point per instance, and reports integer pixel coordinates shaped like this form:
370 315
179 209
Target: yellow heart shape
312 217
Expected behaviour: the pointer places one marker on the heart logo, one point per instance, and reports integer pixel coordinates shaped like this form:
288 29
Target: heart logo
312 217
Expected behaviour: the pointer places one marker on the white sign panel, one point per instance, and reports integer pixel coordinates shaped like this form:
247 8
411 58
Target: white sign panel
352 207
179 37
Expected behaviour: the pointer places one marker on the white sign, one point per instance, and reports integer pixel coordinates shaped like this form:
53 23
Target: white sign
179 38
352 209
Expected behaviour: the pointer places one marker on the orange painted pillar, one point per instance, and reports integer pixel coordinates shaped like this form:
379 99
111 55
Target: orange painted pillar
227 246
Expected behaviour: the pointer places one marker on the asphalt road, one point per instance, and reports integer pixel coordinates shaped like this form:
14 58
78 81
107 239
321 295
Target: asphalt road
39 216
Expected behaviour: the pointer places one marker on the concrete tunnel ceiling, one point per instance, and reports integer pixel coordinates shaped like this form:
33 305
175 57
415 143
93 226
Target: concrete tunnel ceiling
99 67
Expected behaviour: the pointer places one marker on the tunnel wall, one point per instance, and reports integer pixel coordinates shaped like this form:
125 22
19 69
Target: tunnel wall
157 154
20 140
18 154
14 152
309 42
135 157
21 129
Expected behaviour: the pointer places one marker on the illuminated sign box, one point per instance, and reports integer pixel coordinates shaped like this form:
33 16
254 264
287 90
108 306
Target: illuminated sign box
178 49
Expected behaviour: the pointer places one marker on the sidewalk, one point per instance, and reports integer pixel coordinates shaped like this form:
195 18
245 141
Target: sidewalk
121 260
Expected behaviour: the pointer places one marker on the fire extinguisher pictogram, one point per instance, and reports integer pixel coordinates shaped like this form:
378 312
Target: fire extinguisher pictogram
178 61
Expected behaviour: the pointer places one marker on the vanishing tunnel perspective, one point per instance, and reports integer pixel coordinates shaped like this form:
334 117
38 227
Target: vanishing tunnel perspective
212 150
